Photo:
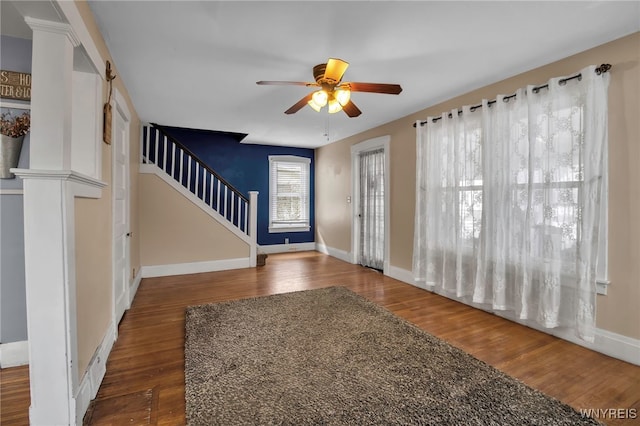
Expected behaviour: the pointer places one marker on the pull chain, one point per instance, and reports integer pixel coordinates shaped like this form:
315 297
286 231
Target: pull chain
326 128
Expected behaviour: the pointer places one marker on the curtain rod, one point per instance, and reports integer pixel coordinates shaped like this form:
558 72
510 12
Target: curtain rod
600 70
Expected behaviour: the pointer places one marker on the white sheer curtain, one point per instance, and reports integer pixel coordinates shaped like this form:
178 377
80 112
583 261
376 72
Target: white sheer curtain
508 202
372 208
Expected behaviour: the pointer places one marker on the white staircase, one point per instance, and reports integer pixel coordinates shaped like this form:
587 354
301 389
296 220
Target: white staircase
167 158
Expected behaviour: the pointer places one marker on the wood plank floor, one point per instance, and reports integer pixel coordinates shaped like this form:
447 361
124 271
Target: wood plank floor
144 383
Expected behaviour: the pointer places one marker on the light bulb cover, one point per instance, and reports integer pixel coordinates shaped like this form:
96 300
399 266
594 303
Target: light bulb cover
320 98
334 106
314 105
343 96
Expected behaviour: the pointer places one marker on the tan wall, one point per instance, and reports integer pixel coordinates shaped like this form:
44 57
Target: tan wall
617 312
134 131
94 297
94 228
174 230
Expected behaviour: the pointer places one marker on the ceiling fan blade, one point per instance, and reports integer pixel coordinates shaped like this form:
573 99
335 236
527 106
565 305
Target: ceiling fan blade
351 109
335 69
286 83
299 105
390 89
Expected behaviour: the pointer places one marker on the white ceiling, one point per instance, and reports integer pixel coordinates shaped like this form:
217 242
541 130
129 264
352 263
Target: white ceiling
195 63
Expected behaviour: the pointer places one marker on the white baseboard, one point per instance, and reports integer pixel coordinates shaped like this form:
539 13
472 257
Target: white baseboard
194 267
133 286
92 378
606 342
82 398
334 252
14 354
285 248
613 344
401 274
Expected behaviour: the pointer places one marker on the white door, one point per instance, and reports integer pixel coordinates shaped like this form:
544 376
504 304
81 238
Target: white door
120 213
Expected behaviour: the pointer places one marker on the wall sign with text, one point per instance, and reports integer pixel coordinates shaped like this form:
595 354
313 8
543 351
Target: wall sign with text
15 85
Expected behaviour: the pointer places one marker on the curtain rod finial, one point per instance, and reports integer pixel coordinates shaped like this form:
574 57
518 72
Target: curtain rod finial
603 68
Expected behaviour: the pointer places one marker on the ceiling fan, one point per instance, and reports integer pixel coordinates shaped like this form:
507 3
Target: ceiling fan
333 92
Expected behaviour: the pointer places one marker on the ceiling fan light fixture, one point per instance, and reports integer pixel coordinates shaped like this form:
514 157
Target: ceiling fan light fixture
314 105
320 98
343 96
334 106
332 91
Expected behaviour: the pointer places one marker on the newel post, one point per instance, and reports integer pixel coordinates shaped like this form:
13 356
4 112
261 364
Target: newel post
253 226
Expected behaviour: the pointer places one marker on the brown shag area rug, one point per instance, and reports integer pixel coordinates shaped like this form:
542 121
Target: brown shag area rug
331 357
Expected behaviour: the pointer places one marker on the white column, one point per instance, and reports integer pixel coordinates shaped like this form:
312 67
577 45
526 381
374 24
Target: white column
50 297
253 226
52 73
49 229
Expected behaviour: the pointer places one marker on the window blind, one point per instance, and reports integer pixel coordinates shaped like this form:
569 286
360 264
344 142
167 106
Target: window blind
289 192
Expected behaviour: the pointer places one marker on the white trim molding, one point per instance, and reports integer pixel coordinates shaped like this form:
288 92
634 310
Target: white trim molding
290 229
11 192
84 186
303 224
195 267
53 27
15 104
253 228
133 287
285 248
97 368
120 202
617 346
14 354
68 175
403 275
334 252
81 32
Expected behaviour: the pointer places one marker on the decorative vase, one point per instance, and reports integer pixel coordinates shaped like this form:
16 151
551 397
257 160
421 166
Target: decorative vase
9 155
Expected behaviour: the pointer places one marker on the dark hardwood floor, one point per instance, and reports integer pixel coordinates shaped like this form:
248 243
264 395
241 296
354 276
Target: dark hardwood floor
144 383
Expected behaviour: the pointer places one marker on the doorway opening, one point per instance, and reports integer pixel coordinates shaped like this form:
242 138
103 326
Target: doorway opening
370 233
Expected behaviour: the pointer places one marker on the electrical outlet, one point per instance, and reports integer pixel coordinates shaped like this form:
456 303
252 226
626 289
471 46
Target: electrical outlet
286 240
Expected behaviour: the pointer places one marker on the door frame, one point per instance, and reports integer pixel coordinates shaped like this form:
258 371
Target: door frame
119 106
369 145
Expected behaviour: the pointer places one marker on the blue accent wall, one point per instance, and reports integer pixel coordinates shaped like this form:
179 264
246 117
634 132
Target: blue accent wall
15 55
246 167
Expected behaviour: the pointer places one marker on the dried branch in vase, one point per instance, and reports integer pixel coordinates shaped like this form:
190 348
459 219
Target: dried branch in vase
15 126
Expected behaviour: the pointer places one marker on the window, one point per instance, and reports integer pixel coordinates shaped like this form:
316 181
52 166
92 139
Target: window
549 187
511 202
289 194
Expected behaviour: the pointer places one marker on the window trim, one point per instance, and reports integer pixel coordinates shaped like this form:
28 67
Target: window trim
297 227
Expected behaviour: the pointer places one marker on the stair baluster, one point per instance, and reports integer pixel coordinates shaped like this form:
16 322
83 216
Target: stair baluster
171 156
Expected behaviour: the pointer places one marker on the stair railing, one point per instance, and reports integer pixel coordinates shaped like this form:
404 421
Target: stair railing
185 167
